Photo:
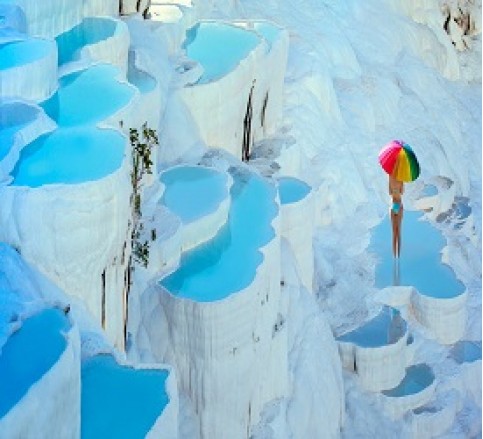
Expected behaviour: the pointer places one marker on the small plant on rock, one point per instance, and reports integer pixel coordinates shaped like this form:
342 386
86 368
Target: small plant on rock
142 143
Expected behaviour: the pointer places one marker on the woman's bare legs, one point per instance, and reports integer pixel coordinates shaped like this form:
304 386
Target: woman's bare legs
399 227
394 221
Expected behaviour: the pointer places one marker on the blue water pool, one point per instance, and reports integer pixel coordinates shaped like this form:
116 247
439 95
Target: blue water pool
218 47
193 191
18 53
417 378
29 353
466 351
462 208
120 402
70 155
386 328
420 264
13 117
429 190
90 31
292 190
88 96
228 262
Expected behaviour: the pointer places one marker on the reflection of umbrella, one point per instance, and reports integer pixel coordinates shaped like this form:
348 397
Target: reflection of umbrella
398 159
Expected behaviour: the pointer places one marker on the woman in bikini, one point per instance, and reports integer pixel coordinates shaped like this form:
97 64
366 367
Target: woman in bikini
396 190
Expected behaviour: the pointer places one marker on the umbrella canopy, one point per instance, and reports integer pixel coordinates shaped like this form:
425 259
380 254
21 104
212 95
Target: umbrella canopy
398 159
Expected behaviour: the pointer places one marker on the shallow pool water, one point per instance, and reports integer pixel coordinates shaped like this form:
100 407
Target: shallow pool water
13 117
29 353
417 378
70 156
88 96
386 328
218 47
292 190
420 263
118 401
466 351
91 30
228 262
18 53
193 191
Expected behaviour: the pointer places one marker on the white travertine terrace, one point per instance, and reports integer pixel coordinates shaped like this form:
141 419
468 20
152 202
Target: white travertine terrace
205 352
208 338
433 419
379 365
397 406
444 317
219 106
83 245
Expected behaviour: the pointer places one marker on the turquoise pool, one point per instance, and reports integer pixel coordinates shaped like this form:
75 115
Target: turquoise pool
118 401
193 191
70 156
292 190
91 30
88 96
218 47
19 53
229 261
29 353
420 264
417 378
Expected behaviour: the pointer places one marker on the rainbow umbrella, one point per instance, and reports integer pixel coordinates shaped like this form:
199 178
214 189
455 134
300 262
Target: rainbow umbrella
398 159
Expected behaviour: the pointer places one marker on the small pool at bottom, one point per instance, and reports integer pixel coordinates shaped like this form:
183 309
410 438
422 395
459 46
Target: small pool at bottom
70 156
228 262
417 378
466 351
420 263
29 353
292 190
119 401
